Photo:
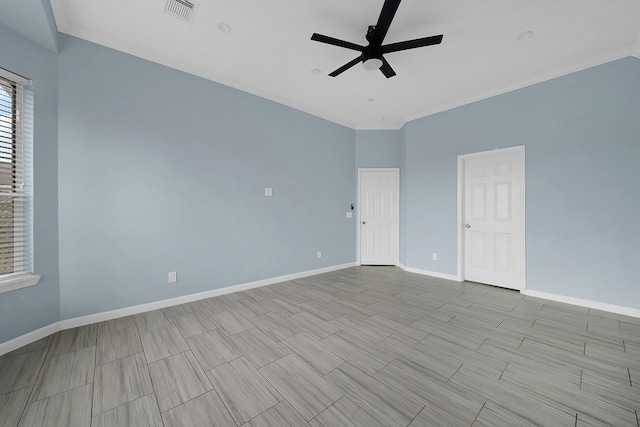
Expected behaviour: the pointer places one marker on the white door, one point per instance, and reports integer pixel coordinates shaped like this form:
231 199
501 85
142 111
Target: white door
378 216
494 218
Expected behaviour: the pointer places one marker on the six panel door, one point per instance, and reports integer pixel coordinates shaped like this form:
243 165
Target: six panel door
493 218
379 217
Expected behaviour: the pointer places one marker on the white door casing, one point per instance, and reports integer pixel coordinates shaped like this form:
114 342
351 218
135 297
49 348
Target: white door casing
378 192
493 225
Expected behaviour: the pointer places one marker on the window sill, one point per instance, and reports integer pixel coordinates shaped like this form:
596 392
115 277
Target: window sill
12 283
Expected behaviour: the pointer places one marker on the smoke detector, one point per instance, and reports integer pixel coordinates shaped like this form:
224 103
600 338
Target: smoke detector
181 9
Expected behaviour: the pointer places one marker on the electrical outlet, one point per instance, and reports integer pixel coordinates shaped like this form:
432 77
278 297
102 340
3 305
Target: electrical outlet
319 254
173 277
434 256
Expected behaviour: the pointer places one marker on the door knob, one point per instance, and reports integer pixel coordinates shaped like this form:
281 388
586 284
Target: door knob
364 222
467 226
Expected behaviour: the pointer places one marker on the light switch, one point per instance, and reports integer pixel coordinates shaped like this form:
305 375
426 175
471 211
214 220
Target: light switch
349 214
268 191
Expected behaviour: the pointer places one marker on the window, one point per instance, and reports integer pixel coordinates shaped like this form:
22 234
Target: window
16 259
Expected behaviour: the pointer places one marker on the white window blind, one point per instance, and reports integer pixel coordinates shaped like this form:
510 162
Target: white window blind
16 195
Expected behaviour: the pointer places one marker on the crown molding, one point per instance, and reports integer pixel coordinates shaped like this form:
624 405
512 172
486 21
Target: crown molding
609 57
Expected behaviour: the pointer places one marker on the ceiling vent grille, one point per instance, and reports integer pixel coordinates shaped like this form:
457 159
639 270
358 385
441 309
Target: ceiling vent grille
182 9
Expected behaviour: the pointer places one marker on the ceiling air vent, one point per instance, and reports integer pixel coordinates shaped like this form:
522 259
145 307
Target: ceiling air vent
182 9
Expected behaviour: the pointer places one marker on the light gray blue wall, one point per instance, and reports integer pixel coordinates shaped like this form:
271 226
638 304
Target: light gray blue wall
32 19
582 137
28 309
378 148
162 171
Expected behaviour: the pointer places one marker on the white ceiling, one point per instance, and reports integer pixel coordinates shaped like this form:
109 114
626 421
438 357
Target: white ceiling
269 52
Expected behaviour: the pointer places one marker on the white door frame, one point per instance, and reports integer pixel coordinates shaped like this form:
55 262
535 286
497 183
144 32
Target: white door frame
397 171
461 185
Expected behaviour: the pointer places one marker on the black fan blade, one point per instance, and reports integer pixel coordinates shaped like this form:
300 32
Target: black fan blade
386 69
346 66
389 9
410 44
336 42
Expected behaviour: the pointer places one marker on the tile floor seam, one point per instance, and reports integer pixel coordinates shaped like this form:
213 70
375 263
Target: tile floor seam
478 414
44 356
284 398
581 374
323 411
93 384
153 387
416 416
452 375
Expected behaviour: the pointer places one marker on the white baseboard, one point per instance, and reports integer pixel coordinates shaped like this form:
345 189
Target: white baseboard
75 322
611 308
28 338
453 277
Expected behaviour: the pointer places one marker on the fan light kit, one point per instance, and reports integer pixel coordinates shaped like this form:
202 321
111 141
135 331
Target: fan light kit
371 55
372 64
525 35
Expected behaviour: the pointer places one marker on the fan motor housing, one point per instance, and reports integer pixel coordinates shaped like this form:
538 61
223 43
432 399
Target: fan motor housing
371 52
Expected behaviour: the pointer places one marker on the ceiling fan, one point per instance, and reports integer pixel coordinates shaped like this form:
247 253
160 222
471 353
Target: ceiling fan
371 55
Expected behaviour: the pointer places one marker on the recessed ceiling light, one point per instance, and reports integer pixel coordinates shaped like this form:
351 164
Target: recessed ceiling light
381 119
315 71
225 28
525 35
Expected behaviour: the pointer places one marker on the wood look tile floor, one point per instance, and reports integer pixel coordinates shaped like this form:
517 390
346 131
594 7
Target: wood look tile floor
365 346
